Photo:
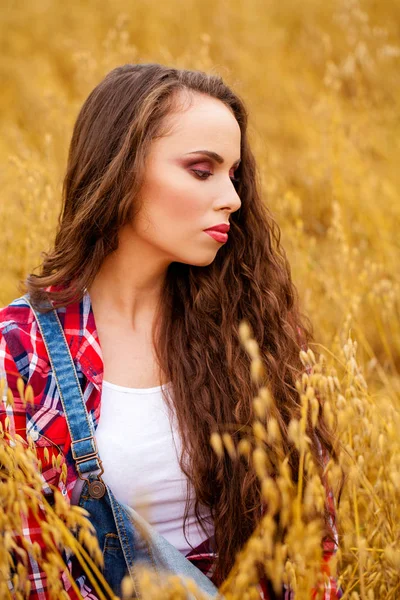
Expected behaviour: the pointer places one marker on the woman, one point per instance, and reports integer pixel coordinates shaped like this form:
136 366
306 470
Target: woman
149 289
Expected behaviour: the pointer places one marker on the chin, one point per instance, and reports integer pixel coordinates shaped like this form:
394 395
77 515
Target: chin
204 261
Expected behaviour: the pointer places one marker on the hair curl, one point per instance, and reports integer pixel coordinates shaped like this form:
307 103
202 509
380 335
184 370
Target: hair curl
200 309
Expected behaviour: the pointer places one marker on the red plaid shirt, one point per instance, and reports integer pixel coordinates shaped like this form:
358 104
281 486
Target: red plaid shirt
23 353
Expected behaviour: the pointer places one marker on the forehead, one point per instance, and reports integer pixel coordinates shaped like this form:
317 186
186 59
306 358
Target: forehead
201 121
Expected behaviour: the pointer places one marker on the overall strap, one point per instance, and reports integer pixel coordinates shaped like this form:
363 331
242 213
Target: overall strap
83 443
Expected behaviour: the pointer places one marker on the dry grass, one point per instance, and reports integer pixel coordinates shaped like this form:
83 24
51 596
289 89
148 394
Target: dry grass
61 526
367 433
321 80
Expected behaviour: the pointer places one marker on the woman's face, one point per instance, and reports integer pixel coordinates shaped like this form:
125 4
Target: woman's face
185 191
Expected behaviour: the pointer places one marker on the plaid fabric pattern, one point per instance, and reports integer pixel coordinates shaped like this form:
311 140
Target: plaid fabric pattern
23 353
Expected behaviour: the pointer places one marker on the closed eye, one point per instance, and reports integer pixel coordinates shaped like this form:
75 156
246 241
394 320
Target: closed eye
202 174
206 174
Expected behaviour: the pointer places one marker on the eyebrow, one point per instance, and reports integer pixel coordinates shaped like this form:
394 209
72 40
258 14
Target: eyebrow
213 155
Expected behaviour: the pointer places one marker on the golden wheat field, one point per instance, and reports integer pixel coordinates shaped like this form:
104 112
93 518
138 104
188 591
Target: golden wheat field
322 84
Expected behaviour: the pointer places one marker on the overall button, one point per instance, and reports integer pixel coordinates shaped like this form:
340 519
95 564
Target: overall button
97 489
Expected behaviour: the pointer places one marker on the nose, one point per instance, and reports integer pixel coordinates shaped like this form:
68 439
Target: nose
231 201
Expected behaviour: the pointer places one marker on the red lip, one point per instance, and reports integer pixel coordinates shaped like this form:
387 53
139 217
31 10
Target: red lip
222 228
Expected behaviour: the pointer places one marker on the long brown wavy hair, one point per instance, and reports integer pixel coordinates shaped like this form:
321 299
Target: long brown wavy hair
196 339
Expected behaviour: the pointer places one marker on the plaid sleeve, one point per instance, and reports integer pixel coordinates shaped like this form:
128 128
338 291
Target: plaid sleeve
16 418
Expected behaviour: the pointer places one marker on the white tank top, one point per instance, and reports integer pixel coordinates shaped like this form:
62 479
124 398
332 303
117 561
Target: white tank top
139 447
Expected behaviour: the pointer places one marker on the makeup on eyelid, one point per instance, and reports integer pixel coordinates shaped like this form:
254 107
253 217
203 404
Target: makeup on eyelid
204 174
214 158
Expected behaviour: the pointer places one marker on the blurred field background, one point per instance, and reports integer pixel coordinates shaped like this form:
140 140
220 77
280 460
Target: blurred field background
322 84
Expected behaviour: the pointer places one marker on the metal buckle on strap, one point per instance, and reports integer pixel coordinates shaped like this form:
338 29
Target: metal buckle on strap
97 486
88 456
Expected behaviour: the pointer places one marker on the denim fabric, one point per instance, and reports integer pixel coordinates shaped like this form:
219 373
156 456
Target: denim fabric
126 539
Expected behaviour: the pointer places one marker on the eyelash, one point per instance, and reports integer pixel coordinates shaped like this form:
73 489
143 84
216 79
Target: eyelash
234 180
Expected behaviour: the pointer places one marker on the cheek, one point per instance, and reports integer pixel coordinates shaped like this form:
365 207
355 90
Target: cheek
174 201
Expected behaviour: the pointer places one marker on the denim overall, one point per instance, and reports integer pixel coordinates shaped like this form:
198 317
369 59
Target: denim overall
126 538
